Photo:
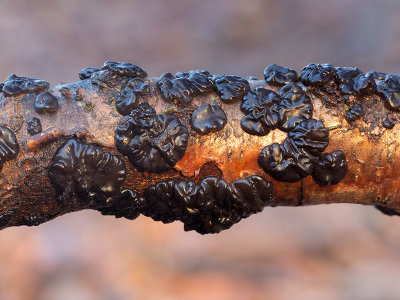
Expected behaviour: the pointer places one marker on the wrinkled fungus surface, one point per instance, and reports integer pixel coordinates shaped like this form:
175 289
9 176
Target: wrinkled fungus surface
390 90
34 126
9 146
128 97
16 85
330 169
85 173
125 69
352 81
153 143
46 103
261 108
277 75
208 118
126 205
376 75
231 88
317 74
389 122
87 73
183 86
354 113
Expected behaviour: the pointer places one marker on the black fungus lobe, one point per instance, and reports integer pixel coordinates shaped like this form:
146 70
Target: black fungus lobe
231 88
261 111
208 118
375 75
352 81
9 146
183 86
277 75
126 205
125 69
317 74
128 98
87 73
390 90
330 169
294 108
16 85
84 172
387 211
153 143
389 122
46 103
34 126
354 113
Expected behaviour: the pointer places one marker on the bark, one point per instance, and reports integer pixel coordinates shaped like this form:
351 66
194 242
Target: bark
87 111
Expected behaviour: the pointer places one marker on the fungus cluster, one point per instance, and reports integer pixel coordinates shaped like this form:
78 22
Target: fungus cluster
354 113
33 126
9 146
128 97
231 88
87 73
208 118
16 85
46 103
277 75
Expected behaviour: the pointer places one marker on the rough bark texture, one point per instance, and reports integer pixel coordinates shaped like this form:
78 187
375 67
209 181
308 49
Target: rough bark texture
88 112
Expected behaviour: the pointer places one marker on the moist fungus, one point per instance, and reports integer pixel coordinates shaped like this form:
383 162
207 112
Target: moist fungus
352 81
125 69
87 73
16 85
317 74
375 75
9 146
389 122
46 103
208 118
277 75
260 106
231 88
330 169
126 205
33 126
85 173
390 90
354 113
153 143
128 97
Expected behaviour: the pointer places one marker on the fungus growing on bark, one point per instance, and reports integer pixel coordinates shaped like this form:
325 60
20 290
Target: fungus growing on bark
16 85
354 113
126 205
317 74
128 97
390 90
33 126
352 81
9 146
330 169
125 69
87 73
208 118
46 103
277 75
231 88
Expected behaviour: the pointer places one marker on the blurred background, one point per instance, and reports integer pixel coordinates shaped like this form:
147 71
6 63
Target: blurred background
321 253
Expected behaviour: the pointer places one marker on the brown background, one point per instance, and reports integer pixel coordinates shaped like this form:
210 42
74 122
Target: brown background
321 253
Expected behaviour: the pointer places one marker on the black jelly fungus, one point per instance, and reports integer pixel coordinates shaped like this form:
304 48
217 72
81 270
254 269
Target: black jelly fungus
183 86
153 143
317 74
260 106
376 75
46 103
231 88
390 90
126 101
208 118
126 205
16 85
9 146
125 69
352 80
387 211
87 73
389 122
330 169
294 108
277 75
354 113
34 126
84 172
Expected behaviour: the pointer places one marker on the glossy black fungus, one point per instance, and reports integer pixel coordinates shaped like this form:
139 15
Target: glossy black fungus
261 111
125 69
6 217
46 103
277 75
330 169
153 143
1 86
87 73
375 75
354 113
387 211
352 80
84 172
294 108
207 207
127 205
16 85
231 88
317 74
389 122
9 146
390 90
208 118
128 98
183 86
34 126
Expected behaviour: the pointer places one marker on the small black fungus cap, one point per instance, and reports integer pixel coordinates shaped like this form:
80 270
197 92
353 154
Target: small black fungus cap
84 172
389 122
208 118
33 126
390 90
352 81
277 75
16 85
46 103
87 73
125 69
127 205
9 146
183 86
376 75
354 113
153 143
128 97
231 88
330 169
317 74
261 111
